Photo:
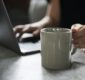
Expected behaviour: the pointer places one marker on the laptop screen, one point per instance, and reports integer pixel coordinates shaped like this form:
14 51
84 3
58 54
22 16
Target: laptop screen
7 36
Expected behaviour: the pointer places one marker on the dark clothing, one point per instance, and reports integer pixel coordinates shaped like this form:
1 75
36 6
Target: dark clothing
48 0
72 11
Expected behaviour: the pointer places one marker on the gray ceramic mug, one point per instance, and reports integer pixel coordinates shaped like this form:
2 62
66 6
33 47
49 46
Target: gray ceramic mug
56 48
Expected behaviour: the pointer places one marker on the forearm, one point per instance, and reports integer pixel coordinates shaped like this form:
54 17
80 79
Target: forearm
52 16
47 21
53 12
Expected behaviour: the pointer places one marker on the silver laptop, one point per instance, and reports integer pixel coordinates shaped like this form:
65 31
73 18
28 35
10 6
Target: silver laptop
7 36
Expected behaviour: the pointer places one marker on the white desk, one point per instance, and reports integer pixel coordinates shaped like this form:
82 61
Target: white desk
13 67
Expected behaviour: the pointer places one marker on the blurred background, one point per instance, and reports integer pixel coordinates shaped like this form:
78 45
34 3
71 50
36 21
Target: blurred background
25 11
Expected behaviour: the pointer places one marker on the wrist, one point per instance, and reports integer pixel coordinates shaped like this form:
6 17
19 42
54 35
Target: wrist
48 22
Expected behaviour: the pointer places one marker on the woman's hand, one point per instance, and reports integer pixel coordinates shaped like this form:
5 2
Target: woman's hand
33 28
28 28
78 35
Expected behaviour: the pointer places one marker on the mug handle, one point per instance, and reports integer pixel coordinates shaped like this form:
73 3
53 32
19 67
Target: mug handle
73 50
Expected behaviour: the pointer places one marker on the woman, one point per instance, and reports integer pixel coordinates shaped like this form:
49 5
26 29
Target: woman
63 13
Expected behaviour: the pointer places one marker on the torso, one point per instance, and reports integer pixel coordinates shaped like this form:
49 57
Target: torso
72 11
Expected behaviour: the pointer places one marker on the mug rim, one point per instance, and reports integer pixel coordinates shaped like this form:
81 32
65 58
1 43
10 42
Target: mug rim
55 30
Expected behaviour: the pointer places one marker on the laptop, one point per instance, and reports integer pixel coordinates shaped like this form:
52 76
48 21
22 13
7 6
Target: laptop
8 39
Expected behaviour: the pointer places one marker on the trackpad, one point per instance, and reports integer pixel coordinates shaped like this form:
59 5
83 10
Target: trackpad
30 47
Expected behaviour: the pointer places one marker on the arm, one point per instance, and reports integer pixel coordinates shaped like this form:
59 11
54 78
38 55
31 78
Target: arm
51 18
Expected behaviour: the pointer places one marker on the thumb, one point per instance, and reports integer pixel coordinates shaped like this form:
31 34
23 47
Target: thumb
76 27
36 33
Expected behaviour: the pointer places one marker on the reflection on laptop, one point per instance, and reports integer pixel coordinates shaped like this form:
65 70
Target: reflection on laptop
7 36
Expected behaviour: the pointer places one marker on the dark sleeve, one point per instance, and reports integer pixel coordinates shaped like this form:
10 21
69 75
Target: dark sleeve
48 0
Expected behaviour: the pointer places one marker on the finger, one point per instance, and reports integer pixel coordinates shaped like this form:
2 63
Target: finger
18 29
19 37
79 40
28 29
36 33
81 32
79 45
78 32
76 27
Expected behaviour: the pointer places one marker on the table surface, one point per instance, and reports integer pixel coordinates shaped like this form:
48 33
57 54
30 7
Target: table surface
14 67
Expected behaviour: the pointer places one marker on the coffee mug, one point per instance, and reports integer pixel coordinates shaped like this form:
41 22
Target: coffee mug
56 48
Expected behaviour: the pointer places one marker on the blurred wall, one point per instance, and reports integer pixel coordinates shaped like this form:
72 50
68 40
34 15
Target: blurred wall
37 10
18 11
25 11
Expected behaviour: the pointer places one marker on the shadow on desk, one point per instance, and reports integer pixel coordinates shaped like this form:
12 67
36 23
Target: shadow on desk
7 53
78 63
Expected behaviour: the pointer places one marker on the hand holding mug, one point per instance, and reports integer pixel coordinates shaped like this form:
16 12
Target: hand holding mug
78 35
